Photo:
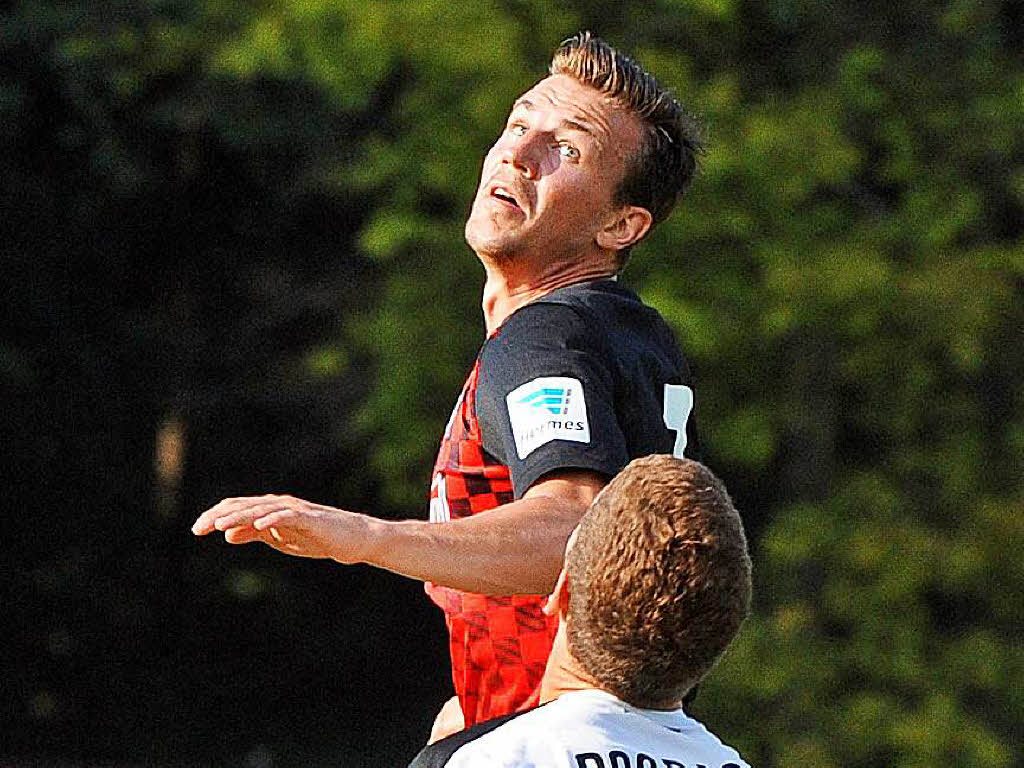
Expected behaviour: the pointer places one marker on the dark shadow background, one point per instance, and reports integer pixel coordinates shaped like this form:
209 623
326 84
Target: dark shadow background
231 264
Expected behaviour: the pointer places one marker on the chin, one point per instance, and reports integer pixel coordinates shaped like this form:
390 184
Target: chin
486 242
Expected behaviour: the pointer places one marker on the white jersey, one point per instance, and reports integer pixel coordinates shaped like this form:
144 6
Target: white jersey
584 729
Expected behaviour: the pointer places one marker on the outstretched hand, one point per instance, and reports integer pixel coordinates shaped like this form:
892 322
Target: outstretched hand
289 525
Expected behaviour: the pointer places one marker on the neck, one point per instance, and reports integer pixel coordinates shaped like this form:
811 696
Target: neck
564 674
510 286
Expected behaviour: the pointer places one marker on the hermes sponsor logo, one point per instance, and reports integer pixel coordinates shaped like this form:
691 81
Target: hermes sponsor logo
545 409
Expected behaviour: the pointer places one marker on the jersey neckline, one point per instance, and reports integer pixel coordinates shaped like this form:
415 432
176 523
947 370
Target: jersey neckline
667 718
614 280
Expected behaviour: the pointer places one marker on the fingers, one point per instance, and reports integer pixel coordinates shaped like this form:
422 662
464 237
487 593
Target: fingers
238 512
270 519
449 720
271 537
242 535
287 524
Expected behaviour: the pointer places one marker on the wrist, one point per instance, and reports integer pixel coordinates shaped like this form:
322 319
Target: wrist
374 537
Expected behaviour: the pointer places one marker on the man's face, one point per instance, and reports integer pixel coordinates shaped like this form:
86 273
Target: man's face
547 183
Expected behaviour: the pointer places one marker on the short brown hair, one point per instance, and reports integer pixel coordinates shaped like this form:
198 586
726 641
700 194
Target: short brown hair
667 161
659 580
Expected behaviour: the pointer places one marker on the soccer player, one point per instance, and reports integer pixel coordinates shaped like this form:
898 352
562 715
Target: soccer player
655 585
576 376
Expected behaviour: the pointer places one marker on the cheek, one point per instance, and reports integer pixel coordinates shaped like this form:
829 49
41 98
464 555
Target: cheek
579 196
490 161
495 152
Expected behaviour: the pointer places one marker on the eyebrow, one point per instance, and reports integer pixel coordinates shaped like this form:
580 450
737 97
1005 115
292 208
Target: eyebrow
572 125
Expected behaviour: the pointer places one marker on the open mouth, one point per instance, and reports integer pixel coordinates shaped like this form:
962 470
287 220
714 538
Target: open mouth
505 196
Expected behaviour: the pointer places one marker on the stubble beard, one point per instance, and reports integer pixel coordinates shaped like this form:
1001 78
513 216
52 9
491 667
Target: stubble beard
500 247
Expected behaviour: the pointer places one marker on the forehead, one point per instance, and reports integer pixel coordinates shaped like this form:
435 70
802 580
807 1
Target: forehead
568 99
562 91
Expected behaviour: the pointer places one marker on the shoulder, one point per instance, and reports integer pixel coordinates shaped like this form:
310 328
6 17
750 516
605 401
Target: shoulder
545 337
547 324
496 743
582 728
440 753
609 300
534 739
601 299
716 749
579 316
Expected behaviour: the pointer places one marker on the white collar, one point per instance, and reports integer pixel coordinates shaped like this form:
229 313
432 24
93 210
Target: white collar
669 718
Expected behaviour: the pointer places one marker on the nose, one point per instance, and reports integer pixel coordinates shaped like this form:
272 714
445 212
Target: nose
524 154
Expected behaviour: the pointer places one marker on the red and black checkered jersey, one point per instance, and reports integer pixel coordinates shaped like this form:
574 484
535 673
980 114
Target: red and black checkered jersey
574 380
499 644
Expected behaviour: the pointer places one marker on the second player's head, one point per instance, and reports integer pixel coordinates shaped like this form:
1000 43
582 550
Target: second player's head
658 579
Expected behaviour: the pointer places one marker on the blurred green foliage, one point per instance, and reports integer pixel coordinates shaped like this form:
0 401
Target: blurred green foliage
846 275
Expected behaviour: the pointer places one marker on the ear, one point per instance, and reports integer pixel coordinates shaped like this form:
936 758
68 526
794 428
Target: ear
626 226
558 601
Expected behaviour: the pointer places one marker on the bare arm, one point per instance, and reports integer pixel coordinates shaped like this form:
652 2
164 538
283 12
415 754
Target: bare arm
516 548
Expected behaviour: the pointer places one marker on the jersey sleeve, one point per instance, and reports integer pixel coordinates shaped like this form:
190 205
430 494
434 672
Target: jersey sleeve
546 396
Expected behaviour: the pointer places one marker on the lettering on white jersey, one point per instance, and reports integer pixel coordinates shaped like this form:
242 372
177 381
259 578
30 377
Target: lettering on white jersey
545 409
619 759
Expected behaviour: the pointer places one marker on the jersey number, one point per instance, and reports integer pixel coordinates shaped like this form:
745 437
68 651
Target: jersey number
678 404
